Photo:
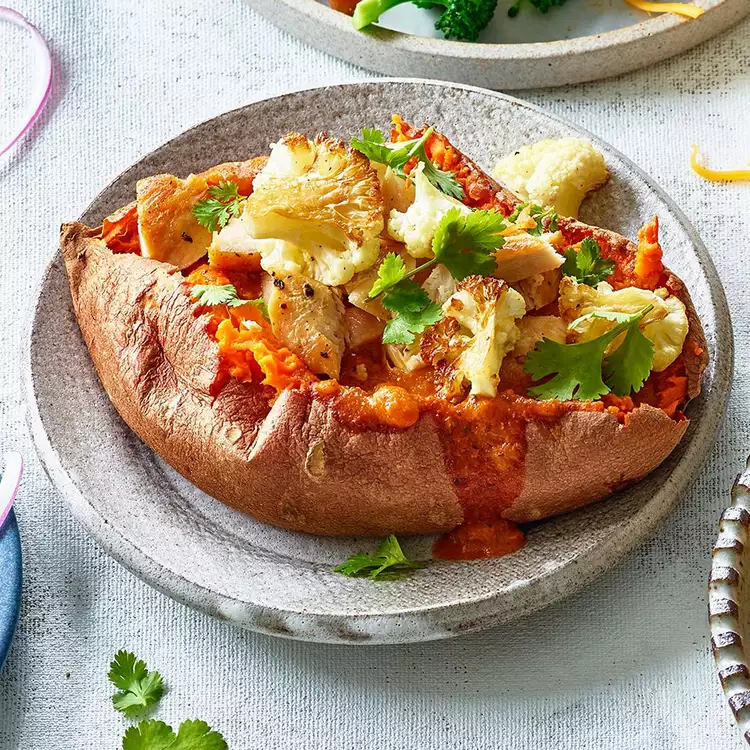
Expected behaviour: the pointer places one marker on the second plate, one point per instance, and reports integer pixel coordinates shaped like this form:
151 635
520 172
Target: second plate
583 41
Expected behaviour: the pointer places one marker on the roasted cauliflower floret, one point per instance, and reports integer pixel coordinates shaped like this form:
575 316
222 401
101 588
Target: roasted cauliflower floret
556 173
316 210
397 192
478 329
665 326
416 226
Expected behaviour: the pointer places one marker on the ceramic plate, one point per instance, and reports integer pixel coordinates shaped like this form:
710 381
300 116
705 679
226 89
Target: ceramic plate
10 583
729 603
583 41
223 562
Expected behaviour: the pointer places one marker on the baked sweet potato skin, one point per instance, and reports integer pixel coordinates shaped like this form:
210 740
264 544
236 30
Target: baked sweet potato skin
293 465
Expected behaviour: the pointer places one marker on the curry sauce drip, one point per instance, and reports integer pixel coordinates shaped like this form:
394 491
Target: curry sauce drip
479 541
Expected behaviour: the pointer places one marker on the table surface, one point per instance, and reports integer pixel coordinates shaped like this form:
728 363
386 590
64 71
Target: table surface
624 665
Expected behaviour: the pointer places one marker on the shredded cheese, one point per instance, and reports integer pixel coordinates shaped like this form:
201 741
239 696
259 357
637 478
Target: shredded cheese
716 175
681 9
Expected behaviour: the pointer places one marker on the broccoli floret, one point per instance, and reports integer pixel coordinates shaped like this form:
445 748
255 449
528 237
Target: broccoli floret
464 19
460 19
543 5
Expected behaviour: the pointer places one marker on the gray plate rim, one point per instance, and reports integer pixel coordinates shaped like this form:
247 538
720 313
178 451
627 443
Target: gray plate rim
502 66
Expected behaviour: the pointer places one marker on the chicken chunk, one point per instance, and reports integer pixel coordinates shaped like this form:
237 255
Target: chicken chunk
361 328
524 255
167 228
308 317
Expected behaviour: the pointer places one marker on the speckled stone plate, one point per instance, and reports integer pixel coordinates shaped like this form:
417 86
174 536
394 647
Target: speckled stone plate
583 41
224 563
729 602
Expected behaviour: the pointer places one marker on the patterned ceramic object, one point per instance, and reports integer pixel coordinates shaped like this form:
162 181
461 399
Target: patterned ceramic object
593 55
728 604
224 563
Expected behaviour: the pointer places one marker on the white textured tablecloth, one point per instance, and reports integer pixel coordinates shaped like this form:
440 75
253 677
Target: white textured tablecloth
624 665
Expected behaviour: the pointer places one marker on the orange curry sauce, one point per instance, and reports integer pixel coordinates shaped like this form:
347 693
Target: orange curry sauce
483 438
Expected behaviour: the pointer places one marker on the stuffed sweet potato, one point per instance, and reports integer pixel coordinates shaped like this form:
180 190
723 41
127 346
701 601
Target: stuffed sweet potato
379 338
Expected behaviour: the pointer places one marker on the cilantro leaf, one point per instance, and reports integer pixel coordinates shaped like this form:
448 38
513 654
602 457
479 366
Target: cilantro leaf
463 243
539 215
148 735
156 735
197 735
260 303
373 145
587 264
215 294
387 564
397 155
444 181
626 369
225 204
138 688
578 369
413 312
406 296
225 294
391 271
402 328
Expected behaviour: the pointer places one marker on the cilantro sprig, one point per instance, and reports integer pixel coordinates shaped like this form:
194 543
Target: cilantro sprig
138 689
156 735
374 146
539 215
587 264
463 243
389 563
413 310
225 294
581 372
225 204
